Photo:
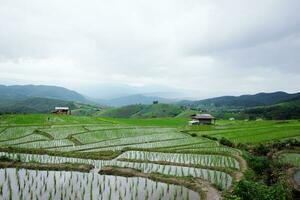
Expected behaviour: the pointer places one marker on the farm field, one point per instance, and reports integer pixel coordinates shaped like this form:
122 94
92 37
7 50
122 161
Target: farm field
251 132
152 151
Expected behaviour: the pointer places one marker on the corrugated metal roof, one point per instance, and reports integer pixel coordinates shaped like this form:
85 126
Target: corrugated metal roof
61 108
203 116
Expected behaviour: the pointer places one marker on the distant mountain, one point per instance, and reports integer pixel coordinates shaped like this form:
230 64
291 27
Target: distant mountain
142 111
22 92
243 101
288 109
34 105
134 99
42 99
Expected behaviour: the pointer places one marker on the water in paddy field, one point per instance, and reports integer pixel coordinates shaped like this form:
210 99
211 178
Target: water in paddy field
296 177
222 179
36 184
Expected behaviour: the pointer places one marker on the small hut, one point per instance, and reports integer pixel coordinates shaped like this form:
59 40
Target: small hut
62 110
199 119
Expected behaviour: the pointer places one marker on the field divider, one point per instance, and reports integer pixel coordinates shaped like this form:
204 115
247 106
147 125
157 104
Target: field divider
116 138
240 159
48 166
185 145
41 140
205 189
127 144
16 138
43 133
2 131
74 140
227 170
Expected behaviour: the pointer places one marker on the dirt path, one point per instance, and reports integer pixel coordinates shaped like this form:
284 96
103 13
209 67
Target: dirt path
211 193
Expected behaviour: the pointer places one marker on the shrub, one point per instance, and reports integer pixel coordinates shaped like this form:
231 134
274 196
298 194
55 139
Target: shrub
5 159
210 137
247 189
259 164
226 142
194 135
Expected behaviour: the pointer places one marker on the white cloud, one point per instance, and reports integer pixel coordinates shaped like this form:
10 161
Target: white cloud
200 48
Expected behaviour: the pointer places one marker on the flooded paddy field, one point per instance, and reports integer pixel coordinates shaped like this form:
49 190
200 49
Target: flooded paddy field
150 151
36 184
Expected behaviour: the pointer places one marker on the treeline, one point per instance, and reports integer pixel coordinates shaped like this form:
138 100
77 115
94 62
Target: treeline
274 112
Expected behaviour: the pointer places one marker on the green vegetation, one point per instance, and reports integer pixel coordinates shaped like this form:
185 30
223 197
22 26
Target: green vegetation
163 146
142 111
267 176
250 132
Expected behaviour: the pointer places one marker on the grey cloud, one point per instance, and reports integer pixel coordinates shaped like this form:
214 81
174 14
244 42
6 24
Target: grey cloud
162 44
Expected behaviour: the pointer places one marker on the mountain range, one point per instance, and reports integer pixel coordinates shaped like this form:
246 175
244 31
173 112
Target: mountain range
43 99
243 101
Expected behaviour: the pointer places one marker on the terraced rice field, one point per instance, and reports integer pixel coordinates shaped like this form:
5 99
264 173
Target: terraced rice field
148 149
291 158
252 132
32 184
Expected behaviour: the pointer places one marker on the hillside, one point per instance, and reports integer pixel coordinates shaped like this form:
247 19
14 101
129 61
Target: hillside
289 109
45 105
22 92
34 105
133 99
243 101
142 111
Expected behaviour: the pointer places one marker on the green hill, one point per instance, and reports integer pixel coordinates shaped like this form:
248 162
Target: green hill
45 105
34 105
22 92
142 111
243 101
289 109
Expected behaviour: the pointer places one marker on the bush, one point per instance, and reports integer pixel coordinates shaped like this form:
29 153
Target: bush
226 142
262 149
247 189
210 137
5 159
259 164
194 135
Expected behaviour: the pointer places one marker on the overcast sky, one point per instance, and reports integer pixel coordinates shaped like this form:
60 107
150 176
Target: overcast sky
190 48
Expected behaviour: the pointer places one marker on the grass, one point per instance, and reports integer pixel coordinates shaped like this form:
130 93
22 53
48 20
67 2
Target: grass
251 132
49 119
48 166
162 122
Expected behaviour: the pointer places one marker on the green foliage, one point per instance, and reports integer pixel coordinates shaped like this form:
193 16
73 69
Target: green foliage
277 112
247 189
210 137
226 142
34 105
5 159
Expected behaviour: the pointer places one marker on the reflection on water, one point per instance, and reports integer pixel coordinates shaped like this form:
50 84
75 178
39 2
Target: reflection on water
36 184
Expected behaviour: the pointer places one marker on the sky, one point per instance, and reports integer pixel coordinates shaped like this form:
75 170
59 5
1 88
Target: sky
173 48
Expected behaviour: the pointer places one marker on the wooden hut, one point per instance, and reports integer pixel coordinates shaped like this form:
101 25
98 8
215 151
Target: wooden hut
199 119
62 110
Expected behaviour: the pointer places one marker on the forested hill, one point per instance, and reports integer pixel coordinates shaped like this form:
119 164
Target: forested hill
243 101
22 92
142 111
